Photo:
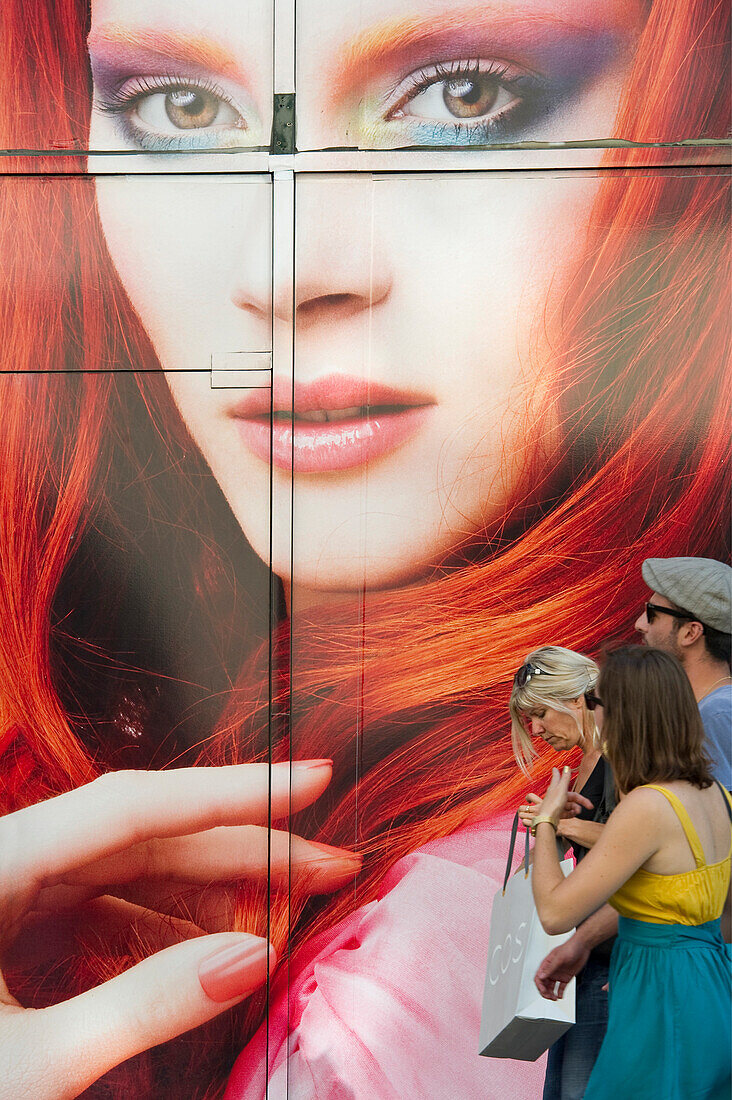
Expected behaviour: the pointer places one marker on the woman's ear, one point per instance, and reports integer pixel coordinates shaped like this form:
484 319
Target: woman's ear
577 704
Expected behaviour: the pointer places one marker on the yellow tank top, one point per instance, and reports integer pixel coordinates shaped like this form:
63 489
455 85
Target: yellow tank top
692 897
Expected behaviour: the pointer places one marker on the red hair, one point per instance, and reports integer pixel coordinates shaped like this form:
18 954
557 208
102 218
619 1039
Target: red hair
419 732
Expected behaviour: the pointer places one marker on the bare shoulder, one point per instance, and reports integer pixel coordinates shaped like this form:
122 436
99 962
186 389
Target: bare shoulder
642 799
649 800
639 809
635 830
642 808
690 796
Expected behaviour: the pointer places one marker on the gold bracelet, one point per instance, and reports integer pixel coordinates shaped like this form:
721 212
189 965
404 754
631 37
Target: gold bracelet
538 820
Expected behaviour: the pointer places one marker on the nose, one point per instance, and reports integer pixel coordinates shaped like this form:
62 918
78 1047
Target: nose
537 728
341 268
641 623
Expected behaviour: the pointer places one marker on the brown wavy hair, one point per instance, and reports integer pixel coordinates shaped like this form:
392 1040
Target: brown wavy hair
651 726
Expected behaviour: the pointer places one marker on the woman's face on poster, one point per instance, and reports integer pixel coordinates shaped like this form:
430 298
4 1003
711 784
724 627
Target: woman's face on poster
425 306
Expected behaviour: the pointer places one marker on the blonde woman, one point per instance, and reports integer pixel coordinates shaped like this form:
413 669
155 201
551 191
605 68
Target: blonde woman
553 699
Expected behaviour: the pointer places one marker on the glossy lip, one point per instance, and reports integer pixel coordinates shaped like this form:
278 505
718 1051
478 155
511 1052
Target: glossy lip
310 447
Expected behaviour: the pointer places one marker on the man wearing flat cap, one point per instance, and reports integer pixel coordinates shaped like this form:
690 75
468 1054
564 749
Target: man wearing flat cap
689 615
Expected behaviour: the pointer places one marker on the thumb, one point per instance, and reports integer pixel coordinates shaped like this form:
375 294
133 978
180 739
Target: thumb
164 995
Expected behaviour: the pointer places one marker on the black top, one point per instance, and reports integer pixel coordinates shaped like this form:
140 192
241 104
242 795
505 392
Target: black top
600 789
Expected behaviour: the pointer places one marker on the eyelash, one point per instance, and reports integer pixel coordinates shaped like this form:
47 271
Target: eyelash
532 92
122 102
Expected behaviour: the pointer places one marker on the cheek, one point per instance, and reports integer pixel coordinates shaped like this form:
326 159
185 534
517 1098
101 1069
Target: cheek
658 634
243 479
476 261
179 245
564 726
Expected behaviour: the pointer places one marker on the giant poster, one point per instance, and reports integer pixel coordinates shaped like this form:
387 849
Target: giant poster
349 353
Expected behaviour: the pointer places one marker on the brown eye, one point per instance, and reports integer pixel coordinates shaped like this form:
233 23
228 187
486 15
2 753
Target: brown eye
462 96
180 107
191 108
470 96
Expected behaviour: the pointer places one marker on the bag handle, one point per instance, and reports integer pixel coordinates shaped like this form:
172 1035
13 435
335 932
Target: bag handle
512 845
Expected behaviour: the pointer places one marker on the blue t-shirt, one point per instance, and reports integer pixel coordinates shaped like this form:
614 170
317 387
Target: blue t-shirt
716 716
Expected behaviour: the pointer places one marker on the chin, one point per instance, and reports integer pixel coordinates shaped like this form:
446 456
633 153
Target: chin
339 564
332 583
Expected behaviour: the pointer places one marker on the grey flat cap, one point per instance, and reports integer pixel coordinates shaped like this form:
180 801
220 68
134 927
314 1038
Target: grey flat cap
702 586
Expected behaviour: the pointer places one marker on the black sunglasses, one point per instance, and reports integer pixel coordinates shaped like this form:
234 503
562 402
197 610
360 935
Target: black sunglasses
592 701
653 609
525 673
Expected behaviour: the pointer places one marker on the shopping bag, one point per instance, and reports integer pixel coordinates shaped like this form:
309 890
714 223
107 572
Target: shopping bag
517 1022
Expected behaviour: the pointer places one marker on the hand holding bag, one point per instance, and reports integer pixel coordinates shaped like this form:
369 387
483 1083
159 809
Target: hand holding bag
517 1022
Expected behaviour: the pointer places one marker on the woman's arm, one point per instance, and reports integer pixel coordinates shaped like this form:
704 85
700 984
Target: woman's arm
565 962
578 831
630 837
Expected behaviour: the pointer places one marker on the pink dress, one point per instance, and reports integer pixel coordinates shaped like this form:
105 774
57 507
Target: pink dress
386 1004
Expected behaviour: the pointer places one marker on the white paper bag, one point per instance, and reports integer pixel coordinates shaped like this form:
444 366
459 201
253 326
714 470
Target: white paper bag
517 1022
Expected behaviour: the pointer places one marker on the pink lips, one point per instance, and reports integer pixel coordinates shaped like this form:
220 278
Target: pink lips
333 423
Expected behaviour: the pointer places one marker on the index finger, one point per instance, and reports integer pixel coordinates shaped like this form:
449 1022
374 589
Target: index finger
546 988
580 799
43 842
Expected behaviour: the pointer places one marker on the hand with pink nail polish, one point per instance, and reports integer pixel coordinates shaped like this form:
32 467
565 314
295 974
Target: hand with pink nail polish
153 850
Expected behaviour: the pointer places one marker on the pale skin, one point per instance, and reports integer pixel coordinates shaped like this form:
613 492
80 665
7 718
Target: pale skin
161 856
564 732
391 287
643 831
373 297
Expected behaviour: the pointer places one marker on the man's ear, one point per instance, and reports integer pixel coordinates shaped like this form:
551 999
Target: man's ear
690 633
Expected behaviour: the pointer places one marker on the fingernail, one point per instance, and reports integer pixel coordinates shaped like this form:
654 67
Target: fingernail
335 853
307 765
328 869
235 970
330 864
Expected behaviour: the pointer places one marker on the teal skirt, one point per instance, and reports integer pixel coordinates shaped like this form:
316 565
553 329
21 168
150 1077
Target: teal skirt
670 1020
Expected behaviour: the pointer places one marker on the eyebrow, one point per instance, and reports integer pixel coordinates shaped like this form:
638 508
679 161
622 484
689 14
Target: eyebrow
110 45
534 37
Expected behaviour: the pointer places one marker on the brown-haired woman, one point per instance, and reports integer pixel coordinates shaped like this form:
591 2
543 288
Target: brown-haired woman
663 861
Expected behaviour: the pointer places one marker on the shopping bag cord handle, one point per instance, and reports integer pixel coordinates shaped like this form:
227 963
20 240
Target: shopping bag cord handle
512 845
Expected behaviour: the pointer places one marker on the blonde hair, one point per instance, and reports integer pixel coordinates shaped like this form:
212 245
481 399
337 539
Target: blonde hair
555 676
